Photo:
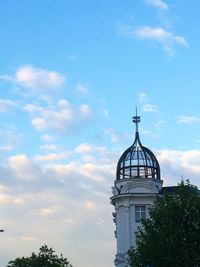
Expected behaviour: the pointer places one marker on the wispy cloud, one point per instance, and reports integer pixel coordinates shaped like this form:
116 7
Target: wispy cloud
189 119
156 34
6 78
28 238
149 108
146 106
82 89
6 104
48 138
161 5
116 136
6 148
88 148
113 134
52 156
142 97
48 211
88 205
10 138
50 147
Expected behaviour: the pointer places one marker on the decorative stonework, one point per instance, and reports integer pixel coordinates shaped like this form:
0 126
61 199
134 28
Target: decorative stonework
139 186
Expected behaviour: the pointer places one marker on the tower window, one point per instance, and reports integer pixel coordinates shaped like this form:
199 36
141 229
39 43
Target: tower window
140 213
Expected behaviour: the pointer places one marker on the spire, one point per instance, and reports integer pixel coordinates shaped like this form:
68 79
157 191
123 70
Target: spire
136 120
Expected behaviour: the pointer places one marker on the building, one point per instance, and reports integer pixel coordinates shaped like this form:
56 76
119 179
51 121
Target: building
138 182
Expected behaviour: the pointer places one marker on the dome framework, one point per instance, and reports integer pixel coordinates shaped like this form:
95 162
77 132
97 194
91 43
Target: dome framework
138 161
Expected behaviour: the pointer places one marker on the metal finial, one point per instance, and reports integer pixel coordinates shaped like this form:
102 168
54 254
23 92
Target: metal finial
136 120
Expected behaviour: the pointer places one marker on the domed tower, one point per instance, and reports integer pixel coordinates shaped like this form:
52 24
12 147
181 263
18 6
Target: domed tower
136 186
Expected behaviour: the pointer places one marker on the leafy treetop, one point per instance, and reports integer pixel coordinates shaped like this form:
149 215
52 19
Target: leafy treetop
45 258
170 237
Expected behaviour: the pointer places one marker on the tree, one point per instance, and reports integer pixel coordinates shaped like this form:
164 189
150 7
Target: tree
45 258
170 237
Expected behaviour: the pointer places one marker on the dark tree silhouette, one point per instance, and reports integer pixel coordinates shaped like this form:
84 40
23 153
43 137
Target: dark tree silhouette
45 258
171 236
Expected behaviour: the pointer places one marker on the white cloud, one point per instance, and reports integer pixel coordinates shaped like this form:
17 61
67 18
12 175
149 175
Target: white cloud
85 191
160 35
48 137
4 199
88 148
52 157
44 212
191 160
39 79
84 148
85 110
88 205
105 112
92 171
61 117
52 147
6 78
70 221
10 138
28 238
174 156
159 124
157 34
40 124
23 168
63 104
146 107
157 4
82 89
188 119
116 136
6 148
143 97
177 163
18 200
7 198
149 108
54 192
32 108
29 81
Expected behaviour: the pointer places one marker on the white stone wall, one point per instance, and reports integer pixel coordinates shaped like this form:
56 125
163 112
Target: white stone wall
126 195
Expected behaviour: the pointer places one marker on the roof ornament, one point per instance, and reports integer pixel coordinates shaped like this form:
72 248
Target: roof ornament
136 120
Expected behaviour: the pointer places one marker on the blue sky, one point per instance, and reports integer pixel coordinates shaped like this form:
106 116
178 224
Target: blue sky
71 75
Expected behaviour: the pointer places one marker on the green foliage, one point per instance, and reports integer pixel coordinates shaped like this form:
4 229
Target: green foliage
171 236
45 258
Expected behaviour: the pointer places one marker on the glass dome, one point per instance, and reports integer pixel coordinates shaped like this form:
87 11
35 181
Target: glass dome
138 161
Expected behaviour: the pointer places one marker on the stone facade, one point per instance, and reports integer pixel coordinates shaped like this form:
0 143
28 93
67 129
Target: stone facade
127 195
